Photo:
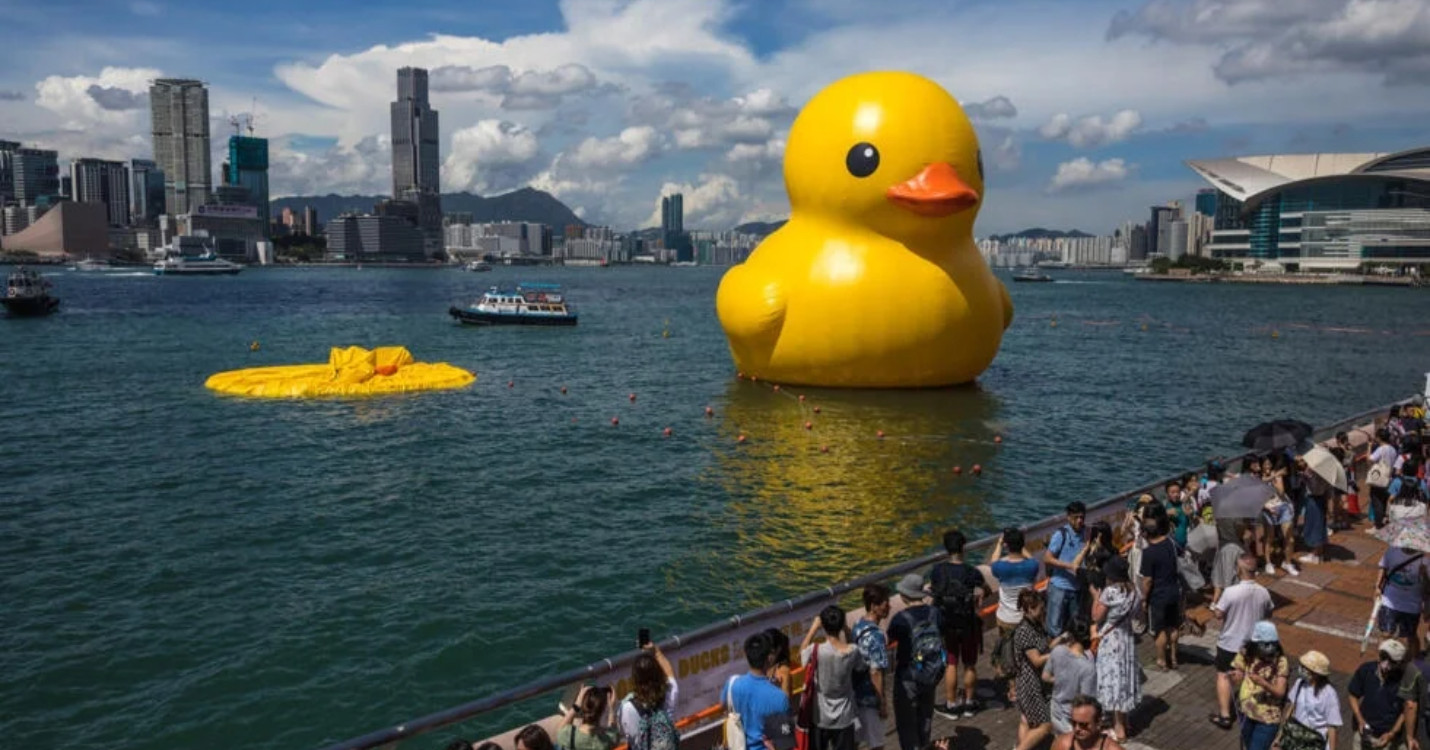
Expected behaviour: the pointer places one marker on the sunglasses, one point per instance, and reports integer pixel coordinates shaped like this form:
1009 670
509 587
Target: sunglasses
1080 724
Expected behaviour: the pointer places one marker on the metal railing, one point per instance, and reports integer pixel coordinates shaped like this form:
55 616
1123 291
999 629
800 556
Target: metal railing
1100 510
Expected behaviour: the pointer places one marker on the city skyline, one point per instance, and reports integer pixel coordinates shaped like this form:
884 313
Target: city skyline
1086 111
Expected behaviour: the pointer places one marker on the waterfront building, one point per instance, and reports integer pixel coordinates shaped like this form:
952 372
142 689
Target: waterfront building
369 238
1206 202
179 122
1159 228
66 229
416 159
311 227
248 166
104 182
1321 212
36 176
7 171
146 192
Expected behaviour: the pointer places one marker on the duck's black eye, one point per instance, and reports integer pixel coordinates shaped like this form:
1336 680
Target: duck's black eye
862 160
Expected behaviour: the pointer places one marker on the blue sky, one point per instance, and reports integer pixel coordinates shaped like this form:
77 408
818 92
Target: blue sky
1086 109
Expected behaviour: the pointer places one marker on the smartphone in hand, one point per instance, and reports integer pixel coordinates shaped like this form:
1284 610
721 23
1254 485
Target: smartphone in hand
643 637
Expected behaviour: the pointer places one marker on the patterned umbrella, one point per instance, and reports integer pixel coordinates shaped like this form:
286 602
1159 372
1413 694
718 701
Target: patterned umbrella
1413 534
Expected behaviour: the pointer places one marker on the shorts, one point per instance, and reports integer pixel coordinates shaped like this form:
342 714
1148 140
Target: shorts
870 728
963 648
1398 624
1164 615
1224 659
1285 513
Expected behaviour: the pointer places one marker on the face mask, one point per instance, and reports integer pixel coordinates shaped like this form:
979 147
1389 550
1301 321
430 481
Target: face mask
1266 650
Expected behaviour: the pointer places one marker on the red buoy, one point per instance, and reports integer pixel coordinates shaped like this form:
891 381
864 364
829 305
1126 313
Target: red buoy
563 390
666 432
998 439
816 410
740 439
777 386
823 449
801 398
615 421
511 383
808 425
739 376
633 398
709 412
977 470
881 434
957 470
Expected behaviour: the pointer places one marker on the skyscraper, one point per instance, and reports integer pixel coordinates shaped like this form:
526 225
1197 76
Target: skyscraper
1159 228
416 158
311 227
179 111
248 167
7 172
146 192
101 181
37 176
672 227
1206 202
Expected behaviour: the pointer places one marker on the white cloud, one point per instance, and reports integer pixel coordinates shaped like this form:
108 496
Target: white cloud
1083 172
632 146
715 202
771 150
491 156
1091 131
363 168
997 108
530 89
1007 156
70 98
1260 39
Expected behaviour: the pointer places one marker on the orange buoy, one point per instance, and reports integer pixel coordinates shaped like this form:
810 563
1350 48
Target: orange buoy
740 439
808 425
998 439
977 469
666 432
880 433
615 421
957 470
816 410
633 398
709 412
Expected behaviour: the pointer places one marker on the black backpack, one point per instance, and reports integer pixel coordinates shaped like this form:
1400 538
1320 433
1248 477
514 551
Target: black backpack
953 597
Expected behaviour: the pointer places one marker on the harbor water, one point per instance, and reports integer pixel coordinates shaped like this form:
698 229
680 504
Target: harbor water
182 569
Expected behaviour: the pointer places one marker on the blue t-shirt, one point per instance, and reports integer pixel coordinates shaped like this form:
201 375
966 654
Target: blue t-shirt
1013 577
755 698
1064 546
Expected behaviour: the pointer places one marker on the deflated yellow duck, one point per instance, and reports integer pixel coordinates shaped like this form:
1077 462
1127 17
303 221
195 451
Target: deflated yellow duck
875 281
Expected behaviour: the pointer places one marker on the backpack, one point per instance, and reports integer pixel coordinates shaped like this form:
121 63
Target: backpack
926 655
954 598
656 730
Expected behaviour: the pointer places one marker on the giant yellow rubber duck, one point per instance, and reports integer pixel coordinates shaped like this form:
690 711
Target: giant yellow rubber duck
875 281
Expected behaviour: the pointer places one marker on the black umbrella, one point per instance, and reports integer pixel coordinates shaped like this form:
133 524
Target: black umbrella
1270 436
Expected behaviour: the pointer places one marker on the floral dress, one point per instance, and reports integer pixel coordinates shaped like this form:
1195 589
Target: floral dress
1030 695
1119 679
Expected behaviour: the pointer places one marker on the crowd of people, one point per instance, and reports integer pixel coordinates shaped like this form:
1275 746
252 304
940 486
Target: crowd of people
1064 653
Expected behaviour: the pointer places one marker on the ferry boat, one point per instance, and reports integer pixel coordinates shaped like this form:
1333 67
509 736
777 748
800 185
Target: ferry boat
191 255
1032 275
27 293
478 265
90 264
529 304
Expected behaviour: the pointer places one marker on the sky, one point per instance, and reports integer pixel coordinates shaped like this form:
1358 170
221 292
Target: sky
1086 109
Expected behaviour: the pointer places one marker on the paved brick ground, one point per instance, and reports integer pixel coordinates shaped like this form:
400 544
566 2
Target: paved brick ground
1324 609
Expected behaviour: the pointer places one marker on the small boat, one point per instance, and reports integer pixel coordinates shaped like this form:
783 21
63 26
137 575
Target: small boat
90 264
529 304
207 264
1032 275
478 265
27 293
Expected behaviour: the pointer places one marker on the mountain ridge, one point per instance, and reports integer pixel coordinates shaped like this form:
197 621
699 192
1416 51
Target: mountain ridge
525 204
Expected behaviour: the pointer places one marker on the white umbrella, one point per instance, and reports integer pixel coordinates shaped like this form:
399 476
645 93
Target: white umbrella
1326 466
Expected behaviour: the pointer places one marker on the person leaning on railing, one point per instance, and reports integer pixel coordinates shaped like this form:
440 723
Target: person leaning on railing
586 725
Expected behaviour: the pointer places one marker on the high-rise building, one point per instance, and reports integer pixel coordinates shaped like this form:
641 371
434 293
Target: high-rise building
37 176
672 227
101 181
248 166
390 239
179 111
66 186
311 227
146 192
1159 228
416 158
7 172
1206 202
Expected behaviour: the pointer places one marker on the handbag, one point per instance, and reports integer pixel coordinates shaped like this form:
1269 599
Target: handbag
807 717
1297 736
1378 476
734 728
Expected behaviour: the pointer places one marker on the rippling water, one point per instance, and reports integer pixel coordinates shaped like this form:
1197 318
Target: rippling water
181 569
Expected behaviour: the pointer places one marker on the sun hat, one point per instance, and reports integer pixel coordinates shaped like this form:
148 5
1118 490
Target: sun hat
1393 648
911 586
1264 632
1316 663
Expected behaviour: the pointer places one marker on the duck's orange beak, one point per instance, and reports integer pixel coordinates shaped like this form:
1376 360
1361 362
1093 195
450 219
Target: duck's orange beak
936 191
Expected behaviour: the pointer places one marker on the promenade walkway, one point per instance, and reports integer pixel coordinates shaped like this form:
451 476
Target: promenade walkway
1325 608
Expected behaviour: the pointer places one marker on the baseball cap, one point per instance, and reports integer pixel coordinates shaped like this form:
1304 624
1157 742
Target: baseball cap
779 730
1393 648
1264 632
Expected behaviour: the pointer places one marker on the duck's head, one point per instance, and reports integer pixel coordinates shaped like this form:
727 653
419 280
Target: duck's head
889 151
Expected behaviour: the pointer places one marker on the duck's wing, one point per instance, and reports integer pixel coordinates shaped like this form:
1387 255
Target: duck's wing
751 305
1007 303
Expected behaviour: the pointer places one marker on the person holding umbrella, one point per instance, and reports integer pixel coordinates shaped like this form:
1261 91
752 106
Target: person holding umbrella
1323 475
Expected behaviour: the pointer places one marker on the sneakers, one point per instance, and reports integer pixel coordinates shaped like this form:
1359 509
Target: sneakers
971 708
1289 568
1309 559
1270 570
949 711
